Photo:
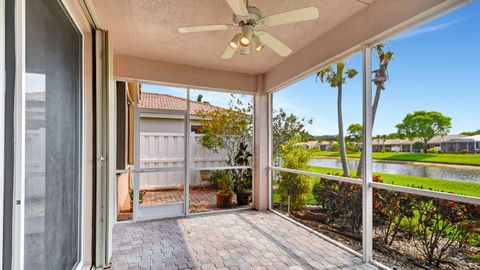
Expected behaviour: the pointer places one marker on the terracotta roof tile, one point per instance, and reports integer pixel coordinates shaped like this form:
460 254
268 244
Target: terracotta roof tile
168 102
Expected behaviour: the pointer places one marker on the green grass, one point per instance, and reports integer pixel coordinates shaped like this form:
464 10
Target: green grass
461 159
457 187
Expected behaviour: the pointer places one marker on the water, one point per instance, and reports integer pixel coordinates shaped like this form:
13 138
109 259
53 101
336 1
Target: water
430 171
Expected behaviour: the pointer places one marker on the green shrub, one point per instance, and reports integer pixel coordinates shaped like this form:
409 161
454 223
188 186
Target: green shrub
463 151
393 211
341 202
444 228
224 181
294 185
433 151
335 147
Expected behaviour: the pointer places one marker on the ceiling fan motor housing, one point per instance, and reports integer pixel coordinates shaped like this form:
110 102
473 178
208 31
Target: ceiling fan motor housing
254 17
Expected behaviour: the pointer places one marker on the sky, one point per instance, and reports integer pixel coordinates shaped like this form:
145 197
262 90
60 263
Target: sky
436 67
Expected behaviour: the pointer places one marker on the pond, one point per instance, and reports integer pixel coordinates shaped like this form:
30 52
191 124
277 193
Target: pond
466 174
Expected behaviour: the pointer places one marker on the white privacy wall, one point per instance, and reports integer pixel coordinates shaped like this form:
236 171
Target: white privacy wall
160 150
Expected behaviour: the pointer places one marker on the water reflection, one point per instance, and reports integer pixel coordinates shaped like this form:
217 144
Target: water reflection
459 174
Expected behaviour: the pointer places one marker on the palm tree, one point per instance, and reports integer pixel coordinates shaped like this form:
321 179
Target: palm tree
377 138
336 77
381 76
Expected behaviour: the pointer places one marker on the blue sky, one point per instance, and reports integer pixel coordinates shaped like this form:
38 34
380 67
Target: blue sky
436 67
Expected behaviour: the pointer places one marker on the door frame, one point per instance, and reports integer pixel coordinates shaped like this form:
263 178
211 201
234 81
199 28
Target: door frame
18 216
189 168
2 118
172 209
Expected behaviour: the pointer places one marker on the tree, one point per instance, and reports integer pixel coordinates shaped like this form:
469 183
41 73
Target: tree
381 76
354 134
228 129
287 126
200 99
424 125
471 133
392 135
336 76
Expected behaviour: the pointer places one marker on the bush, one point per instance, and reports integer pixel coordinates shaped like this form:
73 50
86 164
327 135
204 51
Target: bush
433 151
294 185
463 151
391 209
335 147
444 228
341 202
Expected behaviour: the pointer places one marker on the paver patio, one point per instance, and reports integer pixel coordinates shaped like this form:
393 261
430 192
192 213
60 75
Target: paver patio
201 200
235 240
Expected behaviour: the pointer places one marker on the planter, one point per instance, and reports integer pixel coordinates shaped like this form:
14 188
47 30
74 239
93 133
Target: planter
205 175
243 198
224 200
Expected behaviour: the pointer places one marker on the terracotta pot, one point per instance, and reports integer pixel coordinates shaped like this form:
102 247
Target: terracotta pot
224 200
205 175
243 198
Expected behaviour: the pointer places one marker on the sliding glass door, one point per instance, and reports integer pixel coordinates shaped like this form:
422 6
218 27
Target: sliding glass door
53 136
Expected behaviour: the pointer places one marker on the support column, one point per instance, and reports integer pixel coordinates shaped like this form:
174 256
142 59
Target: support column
261 149
367 190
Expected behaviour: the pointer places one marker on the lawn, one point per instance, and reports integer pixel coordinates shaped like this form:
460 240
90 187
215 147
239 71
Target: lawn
462 159
457 187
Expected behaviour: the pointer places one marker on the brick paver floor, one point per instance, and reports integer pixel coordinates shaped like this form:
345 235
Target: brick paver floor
235 240
201 199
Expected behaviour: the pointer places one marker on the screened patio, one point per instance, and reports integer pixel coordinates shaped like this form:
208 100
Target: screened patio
163 181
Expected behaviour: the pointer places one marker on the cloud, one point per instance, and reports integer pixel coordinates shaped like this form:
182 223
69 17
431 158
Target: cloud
428 29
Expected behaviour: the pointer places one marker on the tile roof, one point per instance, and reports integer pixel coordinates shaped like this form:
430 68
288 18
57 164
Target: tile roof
168 102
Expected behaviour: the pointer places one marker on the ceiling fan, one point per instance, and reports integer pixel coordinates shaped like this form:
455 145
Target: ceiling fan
247 19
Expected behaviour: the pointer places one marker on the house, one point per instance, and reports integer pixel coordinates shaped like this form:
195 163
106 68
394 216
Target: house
72 114
326 145
448 144
162 111
470 144
394 145
437 141
309 144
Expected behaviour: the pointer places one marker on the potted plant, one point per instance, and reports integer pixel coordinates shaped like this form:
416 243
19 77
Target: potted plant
242 178
224 193
205 175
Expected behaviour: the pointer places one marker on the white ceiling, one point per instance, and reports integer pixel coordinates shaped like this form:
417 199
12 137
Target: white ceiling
148 29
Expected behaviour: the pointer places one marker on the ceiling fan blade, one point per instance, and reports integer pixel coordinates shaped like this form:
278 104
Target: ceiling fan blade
203 28
273 43
297 15
229 52
238 7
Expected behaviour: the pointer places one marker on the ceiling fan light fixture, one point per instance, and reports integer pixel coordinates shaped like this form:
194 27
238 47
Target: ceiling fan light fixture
258 43
234 42
246 38
244 50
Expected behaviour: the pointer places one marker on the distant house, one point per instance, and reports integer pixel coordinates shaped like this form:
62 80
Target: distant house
395 145
309 144
469 143
326 145
162 113
437 141
447 143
